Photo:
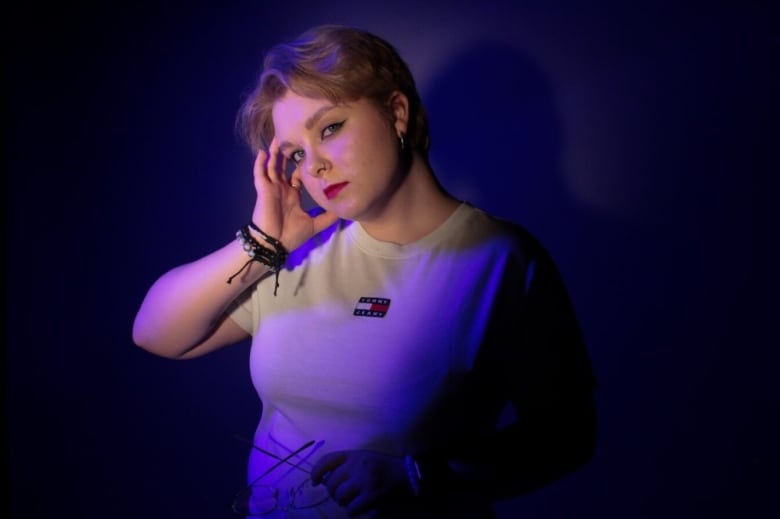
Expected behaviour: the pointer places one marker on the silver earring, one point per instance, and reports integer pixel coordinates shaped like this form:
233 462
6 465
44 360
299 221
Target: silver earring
401 138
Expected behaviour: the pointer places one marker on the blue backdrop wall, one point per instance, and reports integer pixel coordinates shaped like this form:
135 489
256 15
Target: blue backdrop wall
634 139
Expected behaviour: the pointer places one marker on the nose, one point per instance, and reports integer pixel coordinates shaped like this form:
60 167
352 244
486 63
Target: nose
316 165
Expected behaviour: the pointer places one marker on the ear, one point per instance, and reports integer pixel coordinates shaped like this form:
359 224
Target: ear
399 106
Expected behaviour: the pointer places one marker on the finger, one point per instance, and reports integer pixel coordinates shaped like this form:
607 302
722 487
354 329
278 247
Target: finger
295 179
327 464
333 481
346 494
361 504
274 162
285 164
259 168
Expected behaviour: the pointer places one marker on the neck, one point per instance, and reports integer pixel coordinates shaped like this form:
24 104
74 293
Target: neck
417 207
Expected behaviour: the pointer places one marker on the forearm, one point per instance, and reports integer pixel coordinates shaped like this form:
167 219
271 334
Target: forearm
520 460
534 451
185 304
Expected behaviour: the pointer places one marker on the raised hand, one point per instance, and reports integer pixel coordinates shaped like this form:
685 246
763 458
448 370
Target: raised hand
278 211
361 480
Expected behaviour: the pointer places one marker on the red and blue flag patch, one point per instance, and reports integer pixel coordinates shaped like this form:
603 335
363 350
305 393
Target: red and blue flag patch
372 307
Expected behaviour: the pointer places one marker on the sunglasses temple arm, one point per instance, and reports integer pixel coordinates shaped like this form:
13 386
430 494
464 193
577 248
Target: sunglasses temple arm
281 461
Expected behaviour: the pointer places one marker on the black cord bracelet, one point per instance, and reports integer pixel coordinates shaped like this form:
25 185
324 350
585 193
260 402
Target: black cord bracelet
273 259
273 241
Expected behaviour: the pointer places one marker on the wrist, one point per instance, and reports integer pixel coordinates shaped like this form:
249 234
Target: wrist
272 256
413 474
429 474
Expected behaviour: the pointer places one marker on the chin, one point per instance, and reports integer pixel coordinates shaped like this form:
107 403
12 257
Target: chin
347 214
342 209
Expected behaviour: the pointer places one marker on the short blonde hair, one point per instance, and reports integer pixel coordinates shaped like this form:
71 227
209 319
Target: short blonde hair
337 63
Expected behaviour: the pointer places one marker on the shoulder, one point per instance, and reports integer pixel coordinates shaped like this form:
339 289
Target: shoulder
483 226
527 261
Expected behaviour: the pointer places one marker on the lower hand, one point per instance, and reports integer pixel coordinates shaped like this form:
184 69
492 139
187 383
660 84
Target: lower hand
361 479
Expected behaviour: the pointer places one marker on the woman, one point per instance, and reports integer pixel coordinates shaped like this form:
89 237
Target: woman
391 328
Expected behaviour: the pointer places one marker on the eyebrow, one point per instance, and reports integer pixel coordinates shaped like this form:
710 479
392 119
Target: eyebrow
310 122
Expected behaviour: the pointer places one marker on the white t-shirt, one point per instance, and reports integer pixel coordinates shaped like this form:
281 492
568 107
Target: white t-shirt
366 341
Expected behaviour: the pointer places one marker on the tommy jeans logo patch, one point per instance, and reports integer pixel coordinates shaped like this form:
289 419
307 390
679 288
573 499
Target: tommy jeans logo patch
372 307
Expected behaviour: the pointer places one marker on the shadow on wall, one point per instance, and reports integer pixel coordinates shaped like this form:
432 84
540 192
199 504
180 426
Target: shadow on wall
496 141
495 135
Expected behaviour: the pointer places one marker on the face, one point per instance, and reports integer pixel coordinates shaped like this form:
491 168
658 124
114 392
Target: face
346 155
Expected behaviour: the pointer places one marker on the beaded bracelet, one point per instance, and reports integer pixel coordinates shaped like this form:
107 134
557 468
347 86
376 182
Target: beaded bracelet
273 259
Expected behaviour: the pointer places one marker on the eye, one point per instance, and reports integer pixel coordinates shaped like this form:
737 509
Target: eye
331 129
296 156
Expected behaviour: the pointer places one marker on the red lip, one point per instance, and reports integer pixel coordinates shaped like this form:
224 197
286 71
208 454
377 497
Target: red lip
334 189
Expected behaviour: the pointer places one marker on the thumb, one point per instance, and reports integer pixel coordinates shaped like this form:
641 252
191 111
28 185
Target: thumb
327 463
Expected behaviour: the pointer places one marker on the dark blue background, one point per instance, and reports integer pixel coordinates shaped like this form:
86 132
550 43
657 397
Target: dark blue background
638 143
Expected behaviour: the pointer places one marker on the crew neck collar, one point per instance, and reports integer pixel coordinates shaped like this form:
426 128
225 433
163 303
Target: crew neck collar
386 249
